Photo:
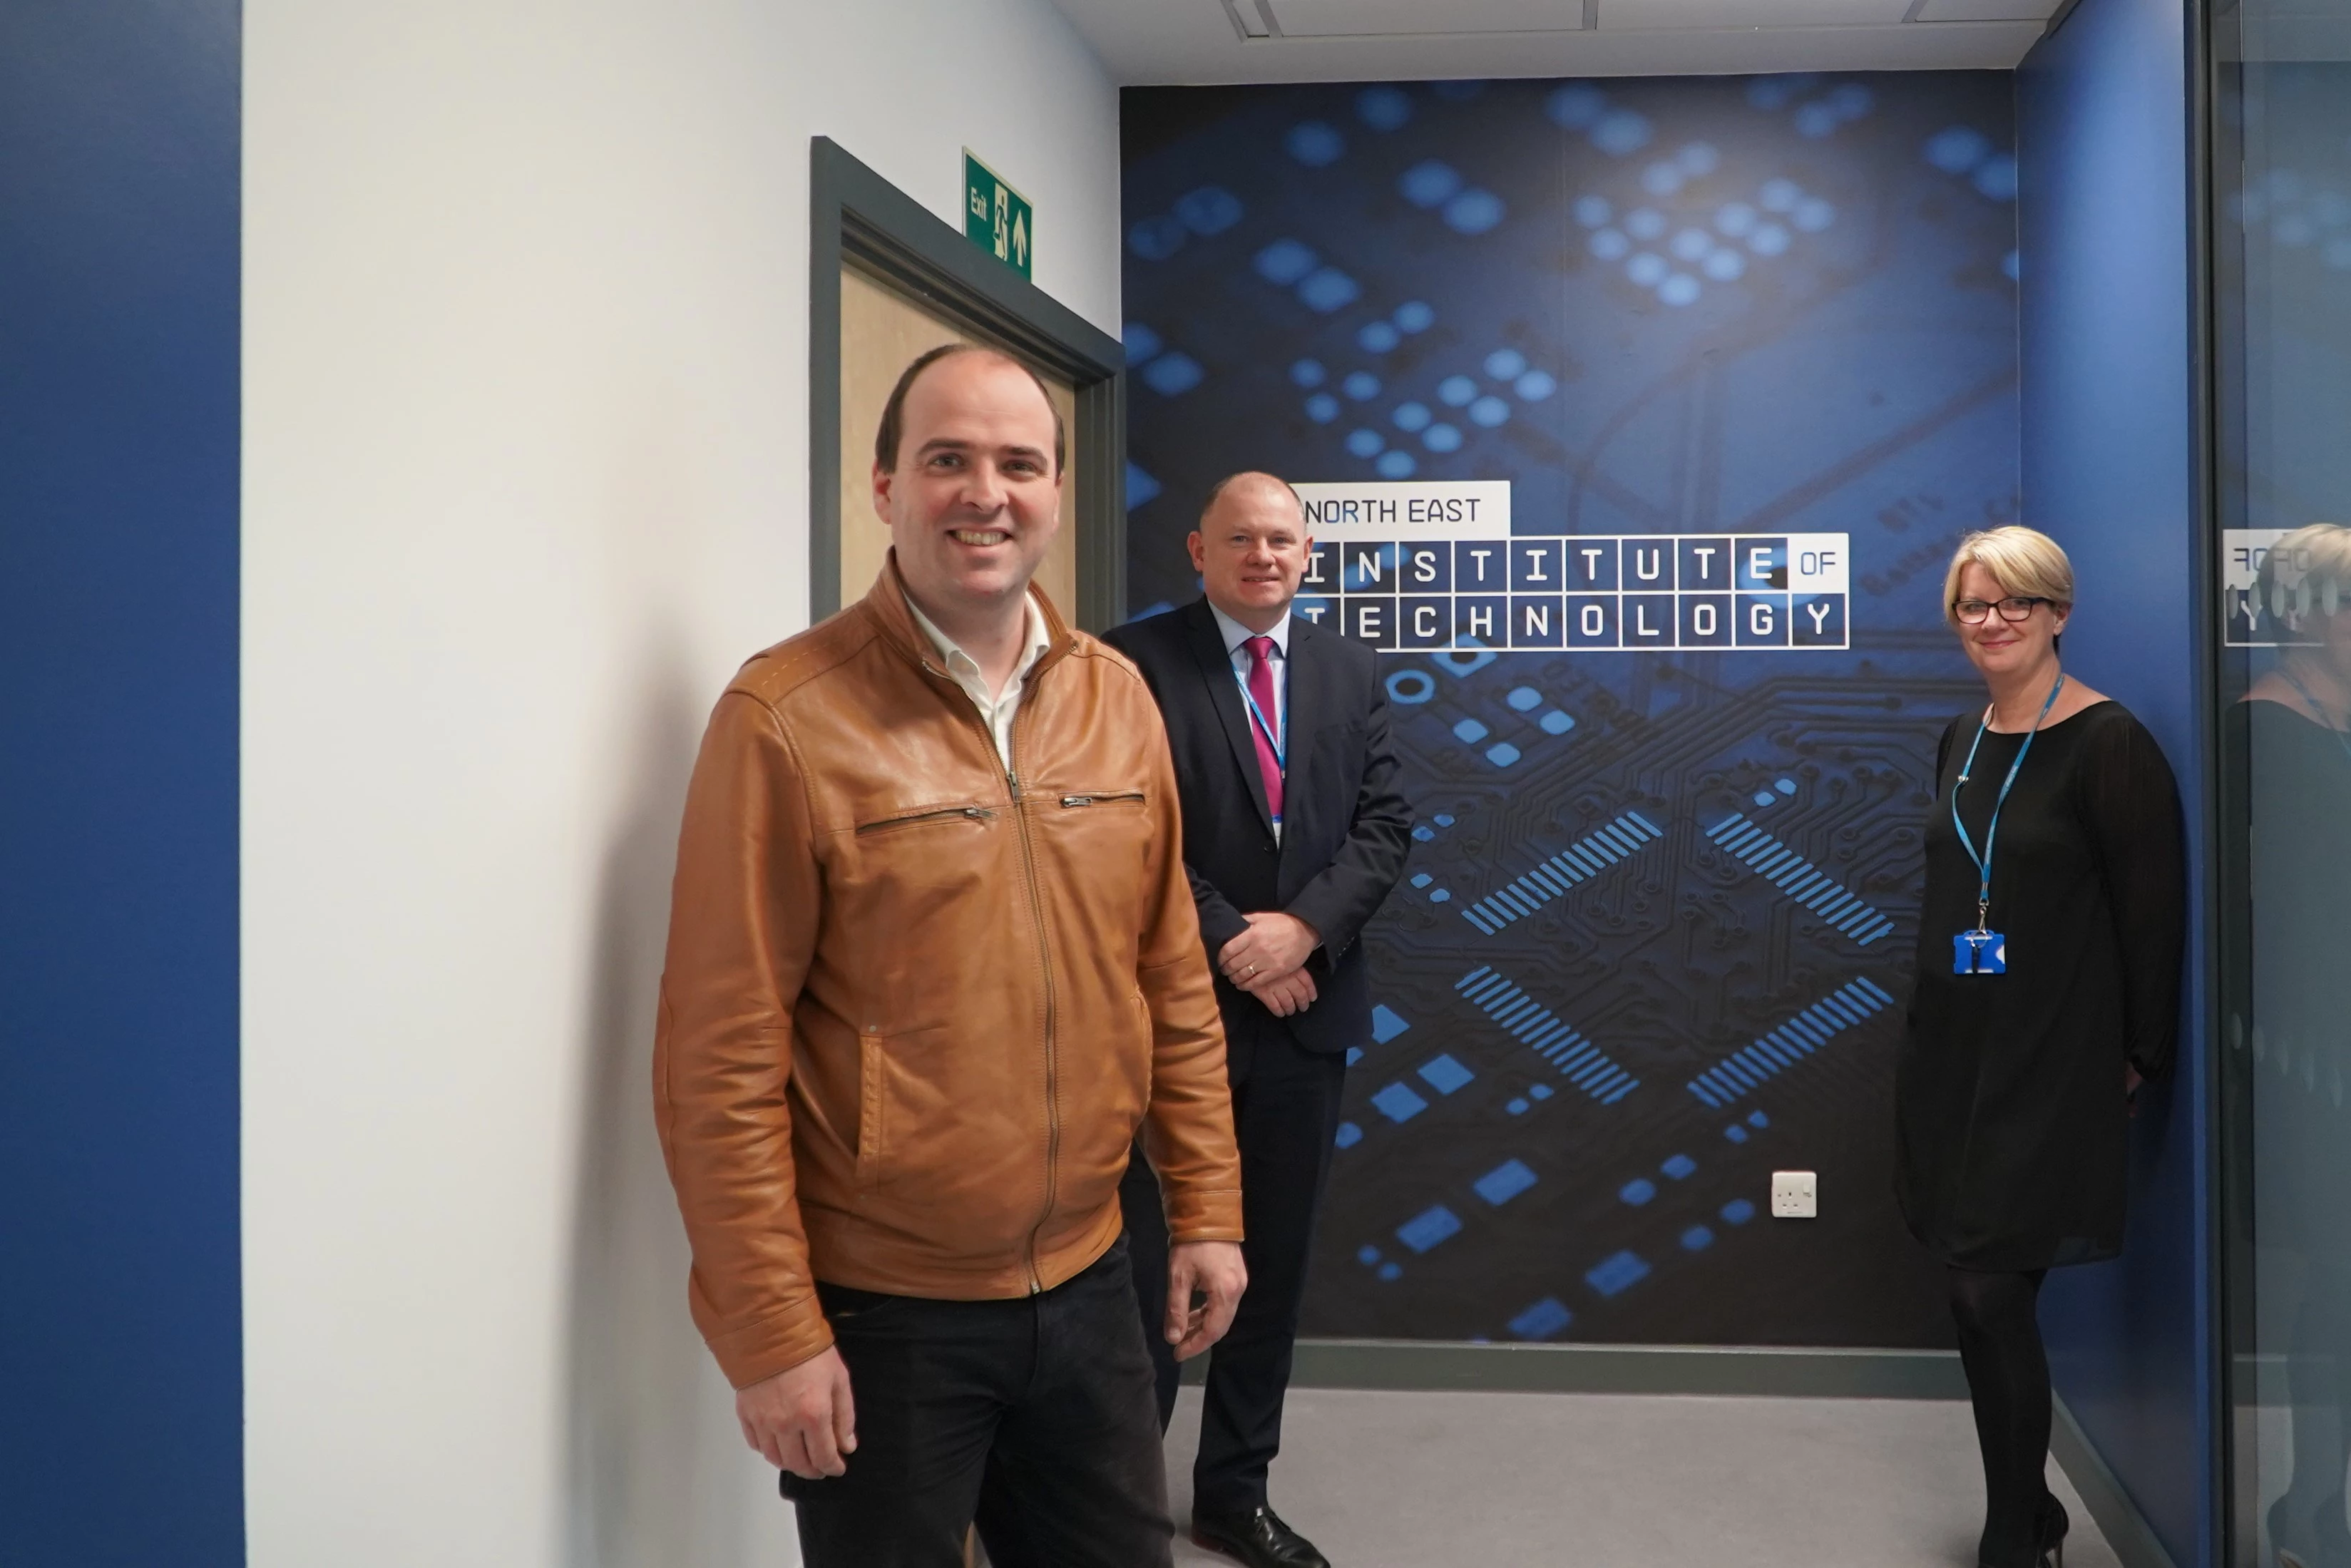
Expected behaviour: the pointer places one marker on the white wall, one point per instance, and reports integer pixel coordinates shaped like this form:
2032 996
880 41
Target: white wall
525 479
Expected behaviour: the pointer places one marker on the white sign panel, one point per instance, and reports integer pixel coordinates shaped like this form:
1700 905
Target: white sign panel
1408 567
1395 509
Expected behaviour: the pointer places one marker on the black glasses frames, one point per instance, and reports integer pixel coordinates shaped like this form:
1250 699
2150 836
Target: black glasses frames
1971 612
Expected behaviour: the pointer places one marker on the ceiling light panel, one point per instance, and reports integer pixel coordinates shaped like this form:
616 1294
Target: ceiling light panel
1986 11
1634 16
1394 18
1247 20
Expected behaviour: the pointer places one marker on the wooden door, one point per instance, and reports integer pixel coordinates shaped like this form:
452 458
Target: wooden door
882 331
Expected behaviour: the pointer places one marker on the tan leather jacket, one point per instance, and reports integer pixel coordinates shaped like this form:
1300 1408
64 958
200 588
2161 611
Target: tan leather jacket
917 1005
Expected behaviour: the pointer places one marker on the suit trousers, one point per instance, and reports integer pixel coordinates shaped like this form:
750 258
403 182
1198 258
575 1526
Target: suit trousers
1030 1417
1285 1117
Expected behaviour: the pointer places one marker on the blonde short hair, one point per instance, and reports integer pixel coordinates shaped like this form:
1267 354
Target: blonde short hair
2306 573
2027 562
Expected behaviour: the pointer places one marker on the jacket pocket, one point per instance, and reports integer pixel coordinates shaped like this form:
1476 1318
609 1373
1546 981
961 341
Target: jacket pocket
871 1093
923 816
1146 1057
1082 798
917 1097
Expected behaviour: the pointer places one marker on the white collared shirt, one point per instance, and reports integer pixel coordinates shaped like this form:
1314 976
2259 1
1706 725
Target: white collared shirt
996 708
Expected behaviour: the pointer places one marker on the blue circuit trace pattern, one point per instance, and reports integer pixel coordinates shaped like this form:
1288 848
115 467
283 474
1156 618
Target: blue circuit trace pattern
1660 912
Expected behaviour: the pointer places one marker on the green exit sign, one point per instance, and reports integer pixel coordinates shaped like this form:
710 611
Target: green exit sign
996 217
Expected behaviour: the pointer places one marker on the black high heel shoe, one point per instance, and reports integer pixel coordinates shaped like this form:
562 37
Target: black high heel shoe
2049 1533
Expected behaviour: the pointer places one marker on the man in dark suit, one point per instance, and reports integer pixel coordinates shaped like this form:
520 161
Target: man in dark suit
1293 834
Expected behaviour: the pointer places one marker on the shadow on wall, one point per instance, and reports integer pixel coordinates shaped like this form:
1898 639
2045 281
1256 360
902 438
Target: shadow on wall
655 1473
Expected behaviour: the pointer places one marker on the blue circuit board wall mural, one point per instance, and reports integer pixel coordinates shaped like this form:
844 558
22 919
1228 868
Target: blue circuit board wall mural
1656 936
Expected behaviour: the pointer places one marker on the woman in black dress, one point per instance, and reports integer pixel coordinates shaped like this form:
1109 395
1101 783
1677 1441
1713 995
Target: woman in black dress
2049 964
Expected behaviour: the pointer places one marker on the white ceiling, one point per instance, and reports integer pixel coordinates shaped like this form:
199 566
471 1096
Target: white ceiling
1216 41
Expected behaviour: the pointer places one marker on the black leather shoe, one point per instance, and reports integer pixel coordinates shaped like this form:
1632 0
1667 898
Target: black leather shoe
1258 1538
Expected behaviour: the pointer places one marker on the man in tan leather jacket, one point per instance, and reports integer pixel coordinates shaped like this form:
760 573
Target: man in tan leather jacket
933 961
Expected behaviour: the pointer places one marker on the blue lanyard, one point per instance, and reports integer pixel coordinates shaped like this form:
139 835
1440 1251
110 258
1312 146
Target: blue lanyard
1272 736
2315 711
1984 860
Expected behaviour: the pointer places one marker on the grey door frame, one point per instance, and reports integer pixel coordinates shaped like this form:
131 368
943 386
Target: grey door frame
859 219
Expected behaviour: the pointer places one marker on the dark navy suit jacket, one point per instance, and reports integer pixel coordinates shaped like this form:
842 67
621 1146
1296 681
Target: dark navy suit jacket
1346 828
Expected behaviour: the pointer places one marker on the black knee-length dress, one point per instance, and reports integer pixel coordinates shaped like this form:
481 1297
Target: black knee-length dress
2011 1117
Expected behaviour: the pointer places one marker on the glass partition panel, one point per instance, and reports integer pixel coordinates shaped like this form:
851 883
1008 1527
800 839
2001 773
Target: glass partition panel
2281 275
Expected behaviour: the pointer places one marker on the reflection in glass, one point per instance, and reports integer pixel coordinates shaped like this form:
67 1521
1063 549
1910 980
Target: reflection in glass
2293 732
2280 257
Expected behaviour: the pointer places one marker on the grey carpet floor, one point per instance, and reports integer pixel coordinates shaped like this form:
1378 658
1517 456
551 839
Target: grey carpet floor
1449 1480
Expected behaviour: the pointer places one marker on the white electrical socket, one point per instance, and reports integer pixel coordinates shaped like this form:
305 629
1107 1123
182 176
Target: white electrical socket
1795 1194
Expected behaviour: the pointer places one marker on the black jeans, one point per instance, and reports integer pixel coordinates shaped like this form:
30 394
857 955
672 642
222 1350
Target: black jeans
1285 1116
1032 1417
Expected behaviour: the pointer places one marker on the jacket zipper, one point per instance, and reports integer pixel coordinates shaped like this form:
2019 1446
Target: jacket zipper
1045 958
1101 798
1037 913
973 813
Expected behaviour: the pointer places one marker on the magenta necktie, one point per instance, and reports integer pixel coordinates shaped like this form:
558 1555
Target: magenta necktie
1260 689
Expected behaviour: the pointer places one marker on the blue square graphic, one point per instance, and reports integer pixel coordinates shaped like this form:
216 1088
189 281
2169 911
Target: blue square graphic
1617 1274
1480 566
1387 1023
1429 1227
1649 565
1591 565
1480 618
1817 620
1535 566
1537 622
1704 566
1705 619
1763 620
1445 1074
1543 1320
1369 568
1763 565
1398 1103
1372 621
1425 623
1592 621
1648 621
1504 1182
1427 568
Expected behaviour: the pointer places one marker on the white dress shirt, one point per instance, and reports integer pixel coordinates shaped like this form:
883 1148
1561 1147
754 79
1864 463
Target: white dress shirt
996 708
1277 664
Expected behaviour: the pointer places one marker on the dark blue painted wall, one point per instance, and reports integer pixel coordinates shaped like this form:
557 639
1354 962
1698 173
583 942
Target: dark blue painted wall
2103 149
120 1418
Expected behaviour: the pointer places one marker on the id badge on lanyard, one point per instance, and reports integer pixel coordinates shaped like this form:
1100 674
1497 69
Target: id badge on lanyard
1984 951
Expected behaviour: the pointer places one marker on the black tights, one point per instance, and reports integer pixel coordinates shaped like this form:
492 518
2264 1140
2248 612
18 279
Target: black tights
2007 1378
